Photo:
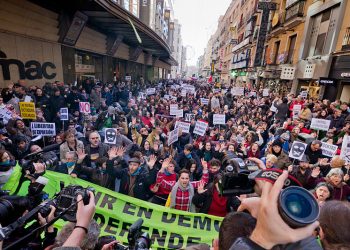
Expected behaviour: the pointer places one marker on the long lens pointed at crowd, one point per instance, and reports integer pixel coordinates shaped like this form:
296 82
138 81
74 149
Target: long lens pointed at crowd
108 140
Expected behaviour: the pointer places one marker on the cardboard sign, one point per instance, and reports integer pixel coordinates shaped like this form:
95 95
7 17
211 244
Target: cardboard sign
179 113
27 110
328 150
219 119
110 136
345 149
173 136
189 117
142 95
5 115
173 109
320 124
297 150
200 128
266 92
183 92
84 107
296 111
204 101
43 128
150 91
64 114
237 91
184 126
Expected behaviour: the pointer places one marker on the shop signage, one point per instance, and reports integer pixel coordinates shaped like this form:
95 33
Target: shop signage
326 81
30 70
345 74
84 68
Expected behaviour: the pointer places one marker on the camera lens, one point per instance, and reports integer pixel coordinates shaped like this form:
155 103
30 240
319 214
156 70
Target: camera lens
298 207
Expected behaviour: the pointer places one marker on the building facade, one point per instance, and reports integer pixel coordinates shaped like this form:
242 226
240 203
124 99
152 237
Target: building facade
56 41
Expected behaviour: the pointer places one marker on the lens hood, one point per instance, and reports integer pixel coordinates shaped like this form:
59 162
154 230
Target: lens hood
298 207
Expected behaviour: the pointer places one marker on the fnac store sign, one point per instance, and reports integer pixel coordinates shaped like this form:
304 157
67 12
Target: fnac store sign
30 70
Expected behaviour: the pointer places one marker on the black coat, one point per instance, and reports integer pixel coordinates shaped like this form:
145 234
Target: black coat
183 162
143 181
204 200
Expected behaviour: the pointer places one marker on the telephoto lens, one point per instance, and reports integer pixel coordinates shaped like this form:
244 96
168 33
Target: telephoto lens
298 207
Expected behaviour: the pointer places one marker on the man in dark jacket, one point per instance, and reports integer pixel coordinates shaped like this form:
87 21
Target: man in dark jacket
183 160
313 151
282 110
74 98
337 121
56 102
135 180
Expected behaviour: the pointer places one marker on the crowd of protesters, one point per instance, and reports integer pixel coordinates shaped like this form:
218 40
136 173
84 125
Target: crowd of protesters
185 175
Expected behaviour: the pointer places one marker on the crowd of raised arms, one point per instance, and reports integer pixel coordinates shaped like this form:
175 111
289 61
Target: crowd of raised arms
126 143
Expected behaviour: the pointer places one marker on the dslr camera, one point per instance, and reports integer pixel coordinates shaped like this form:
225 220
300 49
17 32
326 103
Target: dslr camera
50 160
235 179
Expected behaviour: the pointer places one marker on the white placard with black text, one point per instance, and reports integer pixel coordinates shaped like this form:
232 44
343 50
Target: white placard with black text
43 128
173 136
297 150
320 124
64 114
184 126
200 128
328 150
219 119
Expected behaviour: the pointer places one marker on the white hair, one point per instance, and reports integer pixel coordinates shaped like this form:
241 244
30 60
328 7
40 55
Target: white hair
335 171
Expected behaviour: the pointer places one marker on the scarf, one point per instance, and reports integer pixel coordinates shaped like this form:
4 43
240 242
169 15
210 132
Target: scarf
136 172
174 191
166 172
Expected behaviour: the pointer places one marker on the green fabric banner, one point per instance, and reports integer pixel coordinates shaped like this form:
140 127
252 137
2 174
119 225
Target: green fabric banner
168 228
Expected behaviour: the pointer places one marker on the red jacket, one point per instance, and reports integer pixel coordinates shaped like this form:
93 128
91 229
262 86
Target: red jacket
165 182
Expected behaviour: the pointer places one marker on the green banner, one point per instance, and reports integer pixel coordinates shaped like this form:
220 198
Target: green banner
168 228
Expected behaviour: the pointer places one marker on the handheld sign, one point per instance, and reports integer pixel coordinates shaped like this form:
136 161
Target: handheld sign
204 101
179 113
219 119
189 117
84 107
43 128
64 114
296 111
265 92
237 91
173 109
183 93
297 151
184 126
200 128
345 149
173 136
328 150
320 124
27 110
5 115
150 91
110 136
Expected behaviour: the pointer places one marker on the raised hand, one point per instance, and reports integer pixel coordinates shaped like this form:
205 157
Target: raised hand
217 147
112 153
200 188
165 164
204 164
121 151
81 154
152 160
201 145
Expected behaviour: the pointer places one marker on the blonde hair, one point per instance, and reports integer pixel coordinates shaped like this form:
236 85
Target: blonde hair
337 162
272 158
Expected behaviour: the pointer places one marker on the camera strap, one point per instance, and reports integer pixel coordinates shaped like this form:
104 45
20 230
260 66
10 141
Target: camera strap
271 175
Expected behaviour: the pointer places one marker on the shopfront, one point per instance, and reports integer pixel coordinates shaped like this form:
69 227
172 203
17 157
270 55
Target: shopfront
340 72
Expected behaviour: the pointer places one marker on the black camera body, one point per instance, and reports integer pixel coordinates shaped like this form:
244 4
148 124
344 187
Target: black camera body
235 179
50 160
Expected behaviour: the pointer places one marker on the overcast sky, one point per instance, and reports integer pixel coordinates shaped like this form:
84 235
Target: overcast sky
199 20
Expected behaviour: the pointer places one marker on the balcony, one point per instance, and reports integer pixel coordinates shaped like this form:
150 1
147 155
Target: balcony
277 24
294 14
346 40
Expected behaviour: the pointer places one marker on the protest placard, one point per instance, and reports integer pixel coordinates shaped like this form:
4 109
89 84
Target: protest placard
173 136
265 92
345 149
328 150
219 119
200 128
150 91
110 135
183 92
5 115
296 111
320 124
142 95
27 110
184 126
189 117
204 101
173 109
303 94
84 107
297 150
43 128
179 113
237 91
64 114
